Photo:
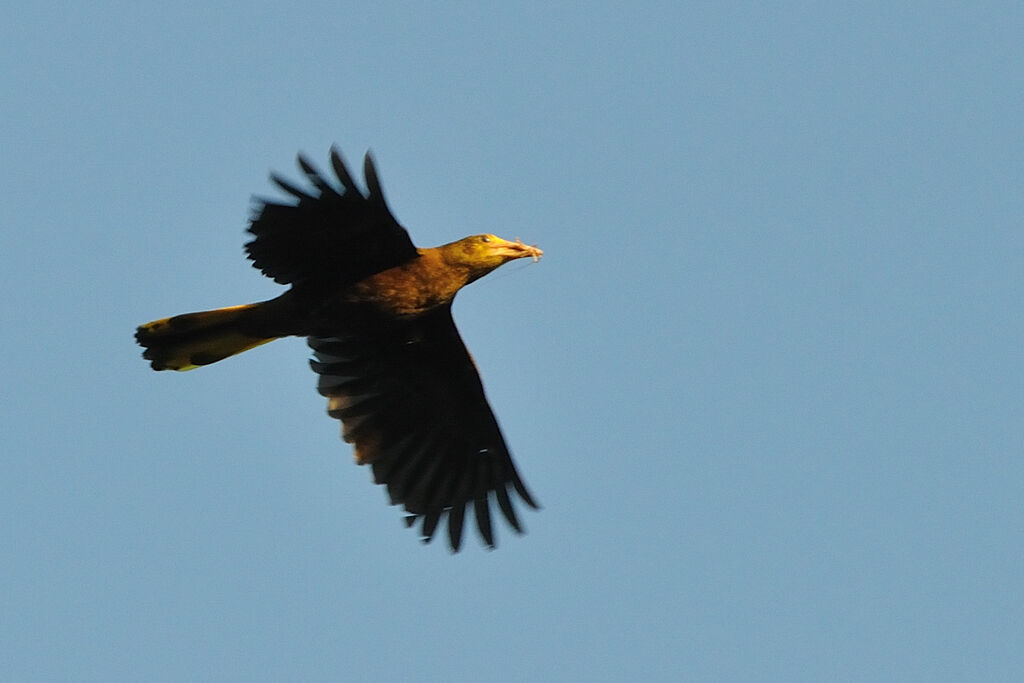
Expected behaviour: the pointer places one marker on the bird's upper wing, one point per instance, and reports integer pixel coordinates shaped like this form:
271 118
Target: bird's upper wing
330 236
410 399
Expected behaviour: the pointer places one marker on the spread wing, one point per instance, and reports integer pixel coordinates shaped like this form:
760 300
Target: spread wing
410 399
329 236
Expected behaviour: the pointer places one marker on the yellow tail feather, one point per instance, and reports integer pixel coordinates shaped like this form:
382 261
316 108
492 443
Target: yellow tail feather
187 341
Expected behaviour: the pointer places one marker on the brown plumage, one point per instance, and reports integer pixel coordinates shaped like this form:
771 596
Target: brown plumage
377 313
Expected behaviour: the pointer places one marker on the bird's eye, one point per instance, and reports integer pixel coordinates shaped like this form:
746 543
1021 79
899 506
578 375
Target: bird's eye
485 238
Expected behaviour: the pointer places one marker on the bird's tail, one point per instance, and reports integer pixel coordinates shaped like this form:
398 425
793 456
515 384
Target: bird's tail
189 340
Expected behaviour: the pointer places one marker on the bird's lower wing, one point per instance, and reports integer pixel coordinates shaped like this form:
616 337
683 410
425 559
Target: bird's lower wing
410 400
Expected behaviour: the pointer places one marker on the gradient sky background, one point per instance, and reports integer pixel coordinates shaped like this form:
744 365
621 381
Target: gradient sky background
767 381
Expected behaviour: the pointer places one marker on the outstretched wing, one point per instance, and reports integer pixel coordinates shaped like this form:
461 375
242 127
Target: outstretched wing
329 236
410 399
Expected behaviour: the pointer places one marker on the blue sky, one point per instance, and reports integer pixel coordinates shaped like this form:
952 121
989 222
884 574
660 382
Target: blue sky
767 380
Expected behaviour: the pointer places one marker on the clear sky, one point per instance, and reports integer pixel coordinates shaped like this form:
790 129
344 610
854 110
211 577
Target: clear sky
767 381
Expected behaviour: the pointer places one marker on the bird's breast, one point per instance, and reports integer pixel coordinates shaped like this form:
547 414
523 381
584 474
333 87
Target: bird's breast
407 290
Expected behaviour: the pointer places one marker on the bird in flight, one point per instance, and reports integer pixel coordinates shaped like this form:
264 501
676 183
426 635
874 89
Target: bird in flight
376 311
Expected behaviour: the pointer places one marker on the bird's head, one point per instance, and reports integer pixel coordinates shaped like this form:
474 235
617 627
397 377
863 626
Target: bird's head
483 253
